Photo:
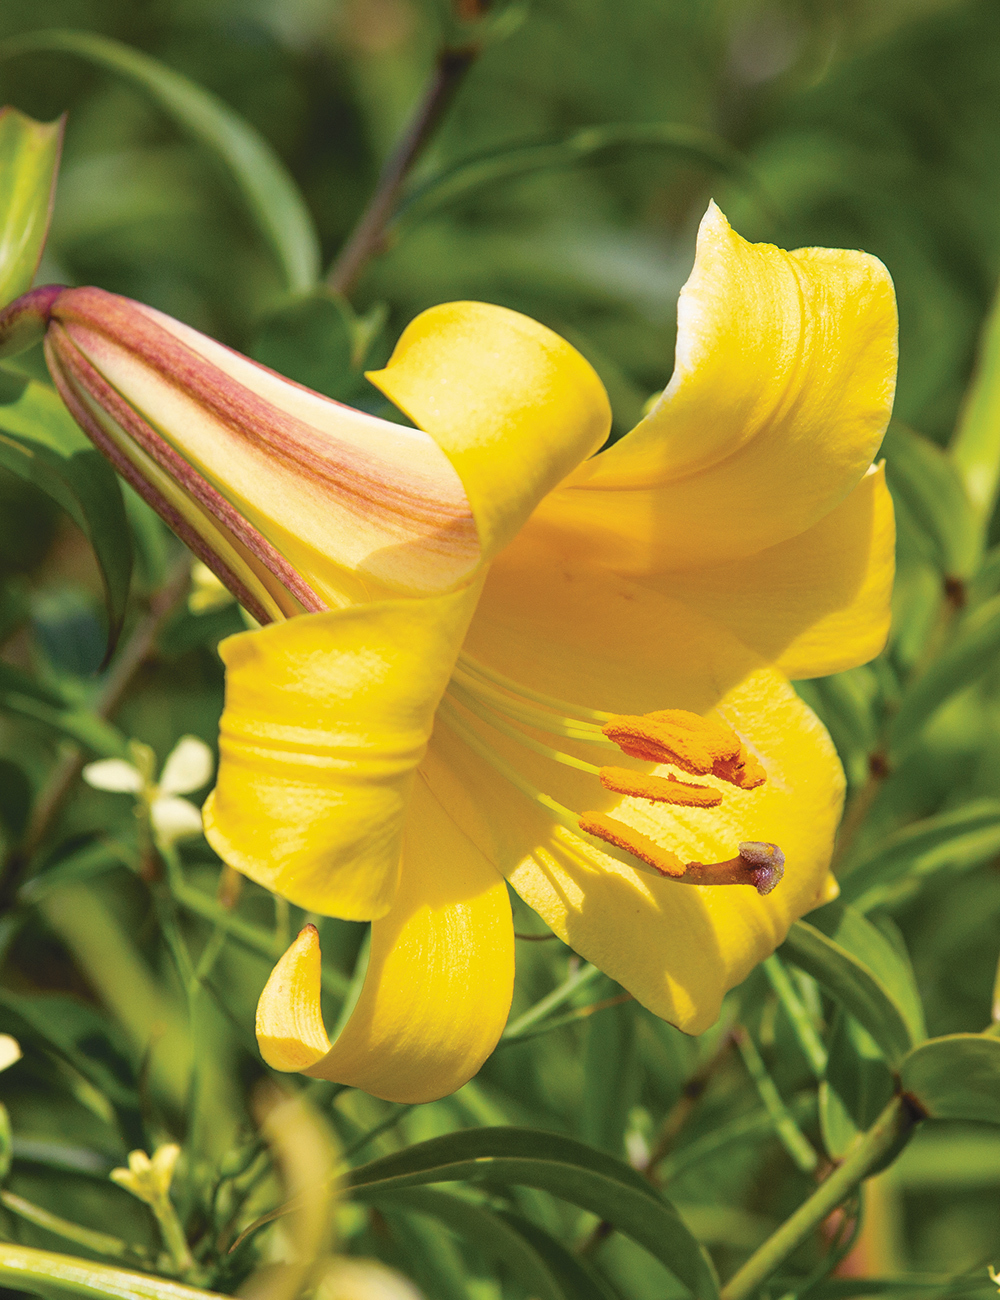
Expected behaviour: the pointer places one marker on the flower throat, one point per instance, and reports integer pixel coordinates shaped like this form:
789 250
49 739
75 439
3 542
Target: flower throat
684 740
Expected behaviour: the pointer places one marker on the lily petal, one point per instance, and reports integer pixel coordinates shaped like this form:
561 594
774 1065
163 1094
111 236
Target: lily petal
439 982
326 719
816 604
513 406
780 397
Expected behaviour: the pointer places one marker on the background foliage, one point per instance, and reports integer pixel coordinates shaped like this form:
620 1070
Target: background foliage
566 180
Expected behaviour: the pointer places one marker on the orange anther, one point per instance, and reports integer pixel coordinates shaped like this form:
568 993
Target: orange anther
674 736
632 841
744 770
659 789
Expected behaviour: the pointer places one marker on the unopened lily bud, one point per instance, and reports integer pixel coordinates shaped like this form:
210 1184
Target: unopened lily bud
296 502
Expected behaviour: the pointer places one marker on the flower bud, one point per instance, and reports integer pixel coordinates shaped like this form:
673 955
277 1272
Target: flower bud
296 502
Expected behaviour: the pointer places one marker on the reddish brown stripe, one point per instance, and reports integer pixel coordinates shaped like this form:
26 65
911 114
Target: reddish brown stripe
60 346
357 478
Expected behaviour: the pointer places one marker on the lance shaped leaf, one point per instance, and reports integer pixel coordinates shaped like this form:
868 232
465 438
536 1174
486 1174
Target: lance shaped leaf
955 1077
29 160
853 984
40 442
565 1168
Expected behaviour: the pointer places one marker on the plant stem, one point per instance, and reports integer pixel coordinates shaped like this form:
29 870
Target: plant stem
893 1125
366 238
127 663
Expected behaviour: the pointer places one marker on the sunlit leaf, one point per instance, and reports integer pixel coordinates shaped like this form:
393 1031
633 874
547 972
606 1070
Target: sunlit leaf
29 160
25 1268
972 653
920 474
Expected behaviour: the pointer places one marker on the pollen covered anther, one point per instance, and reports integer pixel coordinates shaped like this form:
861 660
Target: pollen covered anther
688 741
659 789
612 831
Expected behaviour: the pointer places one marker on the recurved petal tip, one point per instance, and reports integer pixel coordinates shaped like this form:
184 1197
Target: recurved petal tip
290 1030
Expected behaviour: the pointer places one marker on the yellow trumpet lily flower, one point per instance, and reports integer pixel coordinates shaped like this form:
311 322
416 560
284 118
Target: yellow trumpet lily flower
494 653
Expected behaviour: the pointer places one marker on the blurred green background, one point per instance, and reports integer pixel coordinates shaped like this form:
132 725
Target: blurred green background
869 124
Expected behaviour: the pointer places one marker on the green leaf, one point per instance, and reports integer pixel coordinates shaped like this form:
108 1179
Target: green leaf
851 983
975 447
29 160
40 442
482 1228
956 840
923 477
857 1088
505 164
970 655
956 1077
577 1280
611 1079
24 1268
567 1169
885 957
271 195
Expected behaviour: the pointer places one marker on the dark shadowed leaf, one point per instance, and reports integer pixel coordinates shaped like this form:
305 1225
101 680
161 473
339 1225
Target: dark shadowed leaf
40 442
566 1168
270 193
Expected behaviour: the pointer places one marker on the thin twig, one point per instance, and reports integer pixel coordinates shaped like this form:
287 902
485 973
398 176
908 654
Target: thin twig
127 663
367 236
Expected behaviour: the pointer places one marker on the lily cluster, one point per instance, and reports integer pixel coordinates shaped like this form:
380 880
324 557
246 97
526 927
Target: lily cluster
494 652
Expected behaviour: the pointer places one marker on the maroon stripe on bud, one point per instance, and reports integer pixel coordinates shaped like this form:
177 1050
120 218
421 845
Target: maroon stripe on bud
358 479
23 322
92 382
75 394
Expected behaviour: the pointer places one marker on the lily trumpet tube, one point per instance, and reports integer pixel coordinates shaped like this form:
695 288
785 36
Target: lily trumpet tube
496 652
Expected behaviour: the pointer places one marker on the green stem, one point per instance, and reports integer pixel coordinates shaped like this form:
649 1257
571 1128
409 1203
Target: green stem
894 1124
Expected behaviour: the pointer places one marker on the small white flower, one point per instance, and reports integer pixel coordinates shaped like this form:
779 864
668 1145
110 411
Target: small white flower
189 766
10 1051
113 774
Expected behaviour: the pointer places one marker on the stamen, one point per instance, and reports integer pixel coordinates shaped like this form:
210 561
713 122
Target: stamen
659 789
528 715
759 864
469 701
472 665
612 831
